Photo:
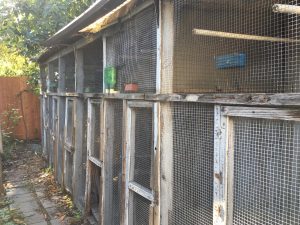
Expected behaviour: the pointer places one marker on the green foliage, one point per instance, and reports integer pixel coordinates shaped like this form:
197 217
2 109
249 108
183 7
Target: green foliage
10 216
9 121
25 24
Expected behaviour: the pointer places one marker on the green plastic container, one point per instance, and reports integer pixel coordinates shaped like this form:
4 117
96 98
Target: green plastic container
110 77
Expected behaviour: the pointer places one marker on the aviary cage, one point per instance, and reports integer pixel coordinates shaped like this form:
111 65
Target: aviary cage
131 50
233 46
52 77
69 72
93 67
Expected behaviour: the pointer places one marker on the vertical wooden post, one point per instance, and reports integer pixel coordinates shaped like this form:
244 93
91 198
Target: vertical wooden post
220 148
166 158
1 170
78 174
166 35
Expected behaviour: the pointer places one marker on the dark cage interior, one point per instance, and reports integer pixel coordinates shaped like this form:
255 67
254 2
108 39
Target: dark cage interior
132 51
235 46
69 72
93 67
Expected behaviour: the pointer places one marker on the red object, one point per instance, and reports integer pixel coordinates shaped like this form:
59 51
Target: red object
131 88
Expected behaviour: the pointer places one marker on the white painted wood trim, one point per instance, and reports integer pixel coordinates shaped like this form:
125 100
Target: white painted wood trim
219 204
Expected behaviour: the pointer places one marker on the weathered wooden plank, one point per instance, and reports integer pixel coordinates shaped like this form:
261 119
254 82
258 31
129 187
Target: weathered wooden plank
96 161
166 164
126 138
255 99
262 113
140 104
142 191
220 141
88 185
107 143
156 164
167 34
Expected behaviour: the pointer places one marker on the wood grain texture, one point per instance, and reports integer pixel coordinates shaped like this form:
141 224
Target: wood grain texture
12 91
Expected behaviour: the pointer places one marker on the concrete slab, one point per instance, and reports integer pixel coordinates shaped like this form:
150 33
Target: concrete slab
25 206
22 198
17 191
56 222
33 217
47 203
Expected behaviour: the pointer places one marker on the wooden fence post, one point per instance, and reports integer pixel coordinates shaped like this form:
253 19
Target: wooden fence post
1 171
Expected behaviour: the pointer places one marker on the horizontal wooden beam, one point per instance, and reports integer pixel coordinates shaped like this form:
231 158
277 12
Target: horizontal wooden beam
286 9
261 113
258 99
254 99
140 190
220 34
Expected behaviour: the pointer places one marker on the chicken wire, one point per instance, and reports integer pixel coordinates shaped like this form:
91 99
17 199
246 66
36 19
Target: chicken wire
225 64
193 164
139 210
52 77
141 159
114 149
69 72
132 51
93 67
69 170
95 191
266 172
96 130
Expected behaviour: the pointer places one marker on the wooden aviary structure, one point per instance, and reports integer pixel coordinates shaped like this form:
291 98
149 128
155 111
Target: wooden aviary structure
177 112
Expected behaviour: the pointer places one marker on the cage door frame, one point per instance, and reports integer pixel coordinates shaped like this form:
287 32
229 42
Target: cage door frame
55 132
129 143
91 160
224 152
69 148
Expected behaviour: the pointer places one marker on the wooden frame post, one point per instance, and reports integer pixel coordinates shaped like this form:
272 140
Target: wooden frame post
166 47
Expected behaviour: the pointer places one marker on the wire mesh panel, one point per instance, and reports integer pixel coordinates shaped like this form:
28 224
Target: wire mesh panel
114 128
69 72
70 123
193 164
238 46
95 191
93 67
95 129
68 171
52 77
143 148
132 52
139 210
266 172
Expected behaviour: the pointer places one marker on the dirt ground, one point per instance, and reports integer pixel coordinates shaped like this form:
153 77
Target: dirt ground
32 195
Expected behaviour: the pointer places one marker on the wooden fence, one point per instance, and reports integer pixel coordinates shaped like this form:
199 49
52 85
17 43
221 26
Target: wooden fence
14 94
